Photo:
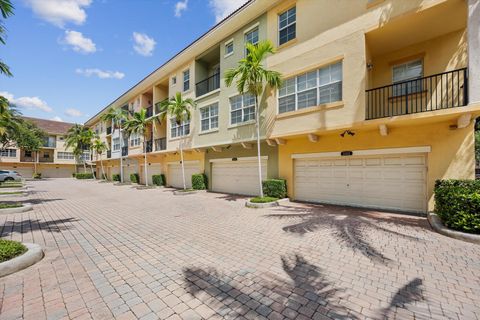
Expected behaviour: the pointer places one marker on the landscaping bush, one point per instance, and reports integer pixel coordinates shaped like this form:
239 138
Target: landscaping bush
263 200
37 176
134 177
457 203
159 179
73 175
84 176
5 205
199 181
10 249
276 188
116 177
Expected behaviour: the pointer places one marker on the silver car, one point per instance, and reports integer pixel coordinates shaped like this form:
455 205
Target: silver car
10 175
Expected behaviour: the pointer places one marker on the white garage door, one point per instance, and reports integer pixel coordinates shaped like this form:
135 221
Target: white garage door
237 177
174 178
128 170
395 182
153 169
113 171
60 172
26 172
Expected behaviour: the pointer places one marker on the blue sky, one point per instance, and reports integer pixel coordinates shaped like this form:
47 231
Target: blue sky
70 58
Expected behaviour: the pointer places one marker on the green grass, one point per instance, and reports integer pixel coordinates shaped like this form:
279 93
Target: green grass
10 249
4 205
13 192
263 200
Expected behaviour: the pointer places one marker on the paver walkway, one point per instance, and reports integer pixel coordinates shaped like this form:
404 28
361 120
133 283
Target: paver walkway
117 252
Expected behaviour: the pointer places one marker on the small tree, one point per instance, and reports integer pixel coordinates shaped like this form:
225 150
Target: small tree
117 117
30 138
179 108
79 139
100 147
251 76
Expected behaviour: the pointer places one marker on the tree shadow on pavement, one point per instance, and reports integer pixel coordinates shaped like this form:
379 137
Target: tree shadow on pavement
305 291
408 294
30 225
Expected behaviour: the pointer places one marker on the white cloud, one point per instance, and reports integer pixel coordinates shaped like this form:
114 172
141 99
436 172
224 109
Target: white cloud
102 74
144 45
30 103
222 8
180 6
57 118
78 42
73 112
60 12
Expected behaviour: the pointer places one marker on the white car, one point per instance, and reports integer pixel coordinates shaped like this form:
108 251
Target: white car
10 175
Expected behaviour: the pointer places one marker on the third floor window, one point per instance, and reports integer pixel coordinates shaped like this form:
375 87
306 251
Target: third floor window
186 80
287 26
179 129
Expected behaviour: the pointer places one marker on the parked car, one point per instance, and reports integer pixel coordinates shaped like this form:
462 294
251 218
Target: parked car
10 175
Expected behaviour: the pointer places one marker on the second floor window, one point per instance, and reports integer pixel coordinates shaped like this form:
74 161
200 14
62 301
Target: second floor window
28 154
287 26
242 108
186 80
116 144
251 37
312 88
179 129
134 139
209 117
49 142
65 155
10 153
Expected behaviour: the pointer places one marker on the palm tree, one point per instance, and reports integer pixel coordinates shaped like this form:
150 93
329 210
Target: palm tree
79 139
87 136
179 108
117 116
250 76
139 124
6 10
100 147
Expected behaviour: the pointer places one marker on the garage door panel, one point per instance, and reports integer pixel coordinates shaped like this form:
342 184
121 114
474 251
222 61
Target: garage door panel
175 174
241 177
60 172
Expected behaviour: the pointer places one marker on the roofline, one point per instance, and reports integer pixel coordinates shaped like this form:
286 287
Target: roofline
246 4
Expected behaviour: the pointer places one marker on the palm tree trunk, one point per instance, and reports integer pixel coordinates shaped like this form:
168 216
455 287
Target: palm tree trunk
183 167
145 160
121 155
35 163
257 112
103 171
91 169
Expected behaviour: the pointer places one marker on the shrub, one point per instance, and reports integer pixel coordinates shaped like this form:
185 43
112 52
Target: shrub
199 181
84 176
276 188
73 175
263 200
159 179
5 205
457 203
10 249
134 177
37 176
116 177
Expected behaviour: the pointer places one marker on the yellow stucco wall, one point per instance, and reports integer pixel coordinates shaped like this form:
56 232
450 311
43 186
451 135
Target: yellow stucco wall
451 156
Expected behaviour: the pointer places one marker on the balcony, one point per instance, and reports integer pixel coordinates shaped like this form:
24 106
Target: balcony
124 151
436 92
208 85
109 154
45 160
149 146
149 112
158 106
160 144
109 130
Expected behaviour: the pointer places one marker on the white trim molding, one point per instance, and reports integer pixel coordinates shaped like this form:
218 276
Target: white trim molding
184 162
367 152
238 159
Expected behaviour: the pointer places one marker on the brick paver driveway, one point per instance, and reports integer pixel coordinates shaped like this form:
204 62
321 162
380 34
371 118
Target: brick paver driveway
118 252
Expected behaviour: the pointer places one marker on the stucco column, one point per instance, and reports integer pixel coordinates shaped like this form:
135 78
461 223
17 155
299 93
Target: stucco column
474 50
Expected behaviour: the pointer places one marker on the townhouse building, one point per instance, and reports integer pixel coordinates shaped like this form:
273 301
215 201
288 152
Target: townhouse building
53 160
378 101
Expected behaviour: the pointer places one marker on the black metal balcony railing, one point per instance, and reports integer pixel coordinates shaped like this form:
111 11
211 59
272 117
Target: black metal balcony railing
124 151
207 85
109 154
149 146
158 106
436 92
109 130
149 112
160 144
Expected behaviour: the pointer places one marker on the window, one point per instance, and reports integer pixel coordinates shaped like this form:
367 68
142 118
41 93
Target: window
242 108
49 142
46 156
186 80
134 139
174 81
310 89
287 26
116 144
85 156
229 48
412 72
178 130
28 154
209 117
11 153
251 37
65 155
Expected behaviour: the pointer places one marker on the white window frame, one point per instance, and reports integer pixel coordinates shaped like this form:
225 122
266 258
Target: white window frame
63 155
243 107
134 139
251 29
317 87
417 87
288 25
186 72
115 144
8 153
179 128
227 43
209 118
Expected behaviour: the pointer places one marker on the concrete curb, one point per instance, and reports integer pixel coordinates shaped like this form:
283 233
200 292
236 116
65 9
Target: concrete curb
32 256
24 188
438 226
184 193
22 194
277 203
26 207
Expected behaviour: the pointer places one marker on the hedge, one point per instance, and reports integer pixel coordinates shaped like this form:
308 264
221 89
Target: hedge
159 179
199 181
134 177
37 176
73 175
84 176
116 177
457 203
275 188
